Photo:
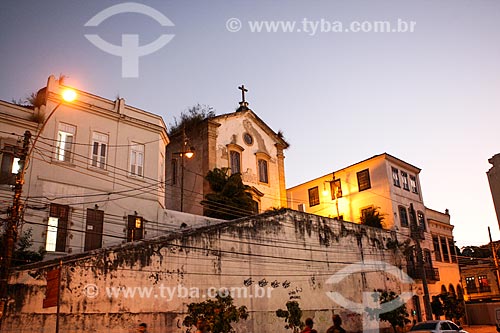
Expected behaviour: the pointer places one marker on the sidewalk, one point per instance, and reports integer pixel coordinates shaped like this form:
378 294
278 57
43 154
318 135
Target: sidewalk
480 329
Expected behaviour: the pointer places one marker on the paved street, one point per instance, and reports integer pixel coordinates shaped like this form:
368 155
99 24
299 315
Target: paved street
480 329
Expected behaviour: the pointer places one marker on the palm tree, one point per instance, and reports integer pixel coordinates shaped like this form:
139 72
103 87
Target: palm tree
373 218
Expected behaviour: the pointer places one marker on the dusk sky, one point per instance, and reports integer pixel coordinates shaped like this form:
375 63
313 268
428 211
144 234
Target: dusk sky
430 96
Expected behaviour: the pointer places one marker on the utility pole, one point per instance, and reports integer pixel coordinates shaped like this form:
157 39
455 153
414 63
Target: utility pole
416 235
495 259
13 224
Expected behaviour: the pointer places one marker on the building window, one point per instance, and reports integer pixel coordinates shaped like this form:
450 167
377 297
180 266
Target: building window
403 216
336 189
99 150
413 184
421 221
427 258
404 178
135 228
10 165
364 180
65 137
470 283
248 139
313 196
444 249
163 171
255 206
484 286
395 177
235 160
453 250
437 250
57 228
137 159
263 176
173 165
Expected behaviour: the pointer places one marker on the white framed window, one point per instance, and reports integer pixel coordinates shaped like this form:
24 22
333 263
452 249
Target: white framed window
99 150
395 177
413 184
65 136
137 159
404 178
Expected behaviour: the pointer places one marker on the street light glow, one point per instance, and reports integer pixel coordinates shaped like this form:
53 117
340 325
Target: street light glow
68 95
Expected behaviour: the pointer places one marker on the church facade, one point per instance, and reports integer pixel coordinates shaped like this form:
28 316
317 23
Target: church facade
239 141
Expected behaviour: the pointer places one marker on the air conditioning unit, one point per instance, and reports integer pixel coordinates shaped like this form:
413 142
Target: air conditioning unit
302 207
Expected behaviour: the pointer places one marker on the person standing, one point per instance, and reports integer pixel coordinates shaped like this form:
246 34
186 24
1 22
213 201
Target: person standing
337 325
143 328
309 326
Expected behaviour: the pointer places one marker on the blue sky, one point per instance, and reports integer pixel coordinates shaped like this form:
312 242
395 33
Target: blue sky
430 97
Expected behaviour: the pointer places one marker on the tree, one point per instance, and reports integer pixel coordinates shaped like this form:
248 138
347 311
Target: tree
453 308
476 252
229 198
292 316
191 118
396 317
437 307
373 218
29 101
22 253
217 314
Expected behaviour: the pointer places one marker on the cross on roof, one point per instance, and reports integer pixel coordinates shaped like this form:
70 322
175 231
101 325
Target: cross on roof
243 91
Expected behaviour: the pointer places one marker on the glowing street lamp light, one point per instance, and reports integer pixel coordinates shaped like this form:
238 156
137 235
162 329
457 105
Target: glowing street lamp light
69 95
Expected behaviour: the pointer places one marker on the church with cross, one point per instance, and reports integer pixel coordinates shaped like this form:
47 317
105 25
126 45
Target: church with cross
239 141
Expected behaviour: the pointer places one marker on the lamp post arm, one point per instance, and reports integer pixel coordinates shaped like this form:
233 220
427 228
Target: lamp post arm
35 140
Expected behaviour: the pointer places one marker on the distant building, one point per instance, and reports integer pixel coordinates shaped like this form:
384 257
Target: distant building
479 280
392 186
96 175
445 258
494 180
239 141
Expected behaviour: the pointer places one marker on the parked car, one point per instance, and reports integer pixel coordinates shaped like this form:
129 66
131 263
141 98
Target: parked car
437 326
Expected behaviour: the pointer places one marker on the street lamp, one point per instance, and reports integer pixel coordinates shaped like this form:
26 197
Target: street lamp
68 95
187 152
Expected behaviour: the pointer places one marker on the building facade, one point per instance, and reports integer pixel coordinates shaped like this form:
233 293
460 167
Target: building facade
479 280
494 180
239 141
96 173
391 186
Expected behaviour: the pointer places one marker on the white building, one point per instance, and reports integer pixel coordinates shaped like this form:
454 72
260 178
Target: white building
96 175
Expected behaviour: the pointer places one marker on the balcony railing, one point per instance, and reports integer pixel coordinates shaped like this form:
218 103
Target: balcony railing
417 232
480 290
484 289
431 274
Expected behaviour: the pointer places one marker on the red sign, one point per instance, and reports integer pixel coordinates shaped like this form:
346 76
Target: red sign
52 288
